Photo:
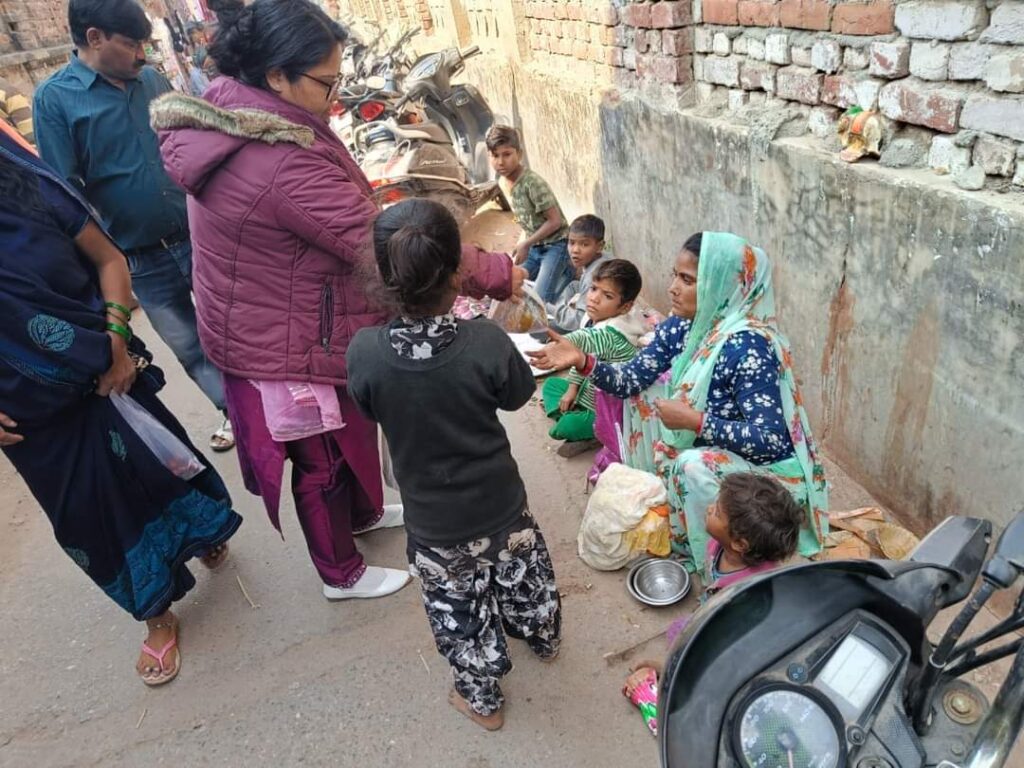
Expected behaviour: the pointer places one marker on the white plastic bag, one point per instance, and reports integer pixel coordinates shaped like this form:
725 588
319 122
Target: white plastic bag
168 449
618 504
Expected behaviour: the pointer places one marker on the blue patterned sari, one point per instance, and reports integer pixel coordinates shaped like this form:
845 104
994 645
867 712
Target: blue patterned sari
124 518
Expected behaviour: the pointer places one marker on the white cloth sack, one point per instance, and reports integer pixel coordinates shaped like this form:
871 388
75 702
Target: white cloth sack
167 448
618 504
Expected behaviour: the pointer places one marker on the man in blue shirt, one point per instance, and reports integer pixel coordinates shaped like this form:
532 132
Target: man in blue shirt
92 125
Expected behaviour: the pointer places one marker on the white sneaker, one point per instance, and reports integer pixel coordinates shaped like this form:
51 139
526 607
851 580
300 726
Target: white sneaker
375 582
393 517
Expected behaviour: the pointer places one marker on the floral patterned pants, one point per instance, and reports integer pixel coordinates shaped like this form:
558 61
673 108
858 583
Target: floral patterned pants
474 590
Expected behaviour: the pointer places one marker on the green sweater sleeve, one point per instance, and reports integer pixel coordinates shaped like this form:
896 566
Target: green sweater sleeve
606 344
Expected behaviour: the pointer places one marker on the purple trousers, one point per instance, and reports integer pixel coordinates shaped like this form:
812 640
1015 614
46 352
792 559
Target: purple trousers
607 428
336 481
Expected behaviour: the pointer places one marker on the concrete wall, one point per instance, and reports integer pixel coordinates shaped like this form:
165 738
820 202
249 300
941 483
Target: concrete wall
902 294
904 301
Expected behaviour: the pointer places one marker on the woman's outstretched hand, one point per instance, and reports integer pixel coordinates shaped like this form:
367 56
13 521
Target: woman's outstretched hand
677 414
558 355
8 438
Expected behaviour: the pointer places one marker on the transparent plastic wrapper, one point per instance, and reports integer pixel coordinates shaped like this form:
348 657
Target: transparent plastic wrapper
654 533
620 501
526 316
167 448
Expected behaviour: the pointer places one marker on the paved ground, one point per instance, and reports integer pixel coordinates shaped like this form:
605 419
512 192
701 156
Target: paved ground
296 680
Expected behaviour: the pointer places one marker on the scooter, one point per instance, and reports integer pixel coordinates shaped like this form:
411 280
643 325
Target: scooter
362 60
829 665
358 104
434 147
460 108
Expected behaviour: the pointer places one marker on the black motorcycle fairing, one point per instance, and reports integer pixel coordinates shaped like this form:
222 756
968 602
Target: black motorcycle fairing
959 543
750 626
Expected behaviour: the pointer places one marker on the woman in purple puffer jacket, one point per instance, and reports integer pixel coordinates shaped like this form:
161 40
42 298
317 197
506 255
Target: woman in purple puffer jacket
281 217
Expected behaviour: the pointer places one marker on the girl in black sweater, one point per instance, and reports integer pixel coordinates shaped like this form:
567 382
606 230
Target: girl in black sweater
435 385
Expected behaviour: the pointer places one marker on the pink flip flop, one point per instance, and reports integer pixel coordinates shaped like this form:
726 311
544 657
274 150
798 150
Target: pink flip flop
165 676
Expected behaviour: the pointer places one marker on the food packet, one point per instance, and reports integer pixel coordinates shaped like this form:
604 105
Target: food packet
653 534
645 697
525 316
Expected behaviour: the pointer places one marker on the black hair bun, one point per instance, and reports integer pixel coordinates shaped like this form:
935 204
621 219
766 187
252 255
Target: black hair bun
226 10
232 43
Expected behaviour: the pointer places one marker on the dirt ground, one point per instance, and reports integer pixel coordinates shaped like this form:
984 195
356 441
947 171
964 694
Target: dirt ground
292 679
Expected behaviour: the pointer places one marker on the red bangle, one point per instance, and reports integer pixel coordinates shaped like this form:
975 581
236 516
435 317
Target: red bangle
700 424
589 366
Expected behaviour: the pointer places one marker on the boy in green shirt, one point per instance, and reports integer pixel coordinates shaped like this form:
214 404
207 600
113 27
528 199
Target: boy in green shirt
612 334
544 249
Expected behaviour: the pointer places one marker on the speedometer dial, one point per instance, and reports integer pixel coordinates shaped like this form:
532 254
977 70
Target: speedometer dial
785 728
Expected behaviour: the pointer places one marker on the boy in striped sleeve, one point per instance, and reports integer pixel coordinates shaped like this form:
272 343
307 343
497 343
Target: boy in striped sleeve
612 334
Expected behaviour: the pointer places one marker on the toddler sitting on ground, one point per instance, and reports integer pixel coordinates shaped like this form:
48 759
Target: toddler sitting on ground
753 524
612 334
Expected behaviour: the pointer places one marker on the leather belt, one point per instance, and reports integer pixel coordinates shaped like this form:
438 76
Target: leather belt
161 245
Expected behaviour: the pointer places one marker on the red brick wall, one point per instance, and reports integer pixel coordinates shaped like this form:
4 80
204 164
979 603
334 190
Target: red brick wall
29 24
948 75
950 69
634 43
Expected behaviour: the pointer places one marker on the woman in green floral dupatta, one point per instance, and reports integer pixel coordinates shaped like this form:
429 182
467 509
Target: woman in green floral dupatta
714 392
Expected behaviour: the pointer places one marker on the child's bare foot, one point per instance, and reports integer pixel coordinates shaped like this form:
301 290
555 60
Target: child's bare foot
491 722
637 675
160 660
549 658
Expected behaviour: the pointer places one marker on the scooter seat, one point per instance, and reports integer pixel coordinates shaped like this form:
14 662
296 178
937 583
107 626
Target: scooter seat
431 132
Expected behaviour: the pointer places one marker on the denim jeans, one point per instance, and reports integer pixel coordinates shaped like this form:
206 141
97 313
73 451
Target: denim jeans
162 281
550 268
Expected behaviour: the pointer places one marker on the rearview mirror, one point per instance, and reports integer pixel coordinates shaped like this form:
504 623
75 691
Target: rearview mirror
1007 561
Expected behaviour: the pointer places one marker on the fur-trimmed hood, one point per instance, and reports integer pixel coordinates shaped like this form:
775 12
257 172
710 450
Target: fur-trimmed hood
176 110
198 135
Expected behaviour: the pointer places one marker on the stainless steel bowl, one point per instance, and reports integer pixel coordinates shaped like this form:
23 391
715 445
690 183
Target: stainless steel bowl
658 582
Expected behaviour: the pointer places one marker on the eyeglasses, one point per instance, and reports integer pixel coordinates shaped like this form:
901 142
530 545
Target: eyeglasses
331 86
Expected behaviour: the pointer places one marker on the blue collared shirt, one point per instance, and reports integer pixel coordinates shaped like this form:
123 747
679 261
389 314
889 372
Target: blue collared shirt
98 137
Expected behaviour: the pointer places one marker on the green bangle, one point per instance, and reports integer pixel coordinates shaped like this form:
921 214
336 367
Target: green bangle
119 307
120 330
126 319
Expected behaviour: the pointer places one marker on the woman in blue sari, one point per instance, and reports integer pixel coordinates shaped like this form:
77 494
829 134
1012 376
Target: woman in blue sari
65 345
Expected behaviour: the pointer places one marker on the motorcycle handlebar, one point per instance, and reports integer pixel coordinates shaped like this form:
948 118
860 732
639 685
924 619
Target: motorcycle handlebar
471 51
